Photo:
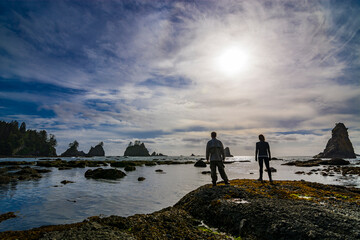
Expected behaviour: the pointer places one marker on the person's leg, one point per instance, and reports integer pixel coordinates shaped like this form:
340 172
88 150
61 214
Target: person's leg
267 164
213 172
261 168
223 175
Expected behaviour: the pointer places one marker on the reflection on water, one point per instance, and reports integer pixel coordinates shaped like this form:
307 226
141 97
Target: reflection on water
46 201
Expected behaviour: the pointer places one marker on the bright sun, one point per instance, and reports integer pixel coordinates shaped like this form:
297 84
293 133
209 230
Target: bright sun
232 61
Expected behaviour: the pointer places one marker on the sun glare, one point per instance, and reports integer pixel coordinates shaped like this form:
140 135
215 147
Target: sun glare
232 61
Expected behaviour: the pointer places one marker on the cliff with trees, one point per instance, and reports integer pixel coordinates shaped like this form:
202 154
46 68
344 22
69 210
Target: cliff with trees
136 149
18 141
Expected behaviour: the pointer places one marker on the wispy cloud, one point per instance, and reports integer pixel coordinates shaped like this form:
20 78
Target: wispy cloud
118 70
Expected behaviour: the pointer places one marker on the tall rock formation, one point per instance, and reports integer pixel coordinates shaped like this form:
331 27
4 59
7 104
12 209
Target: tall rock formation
227 152
339 144
97 151
73 151
137 149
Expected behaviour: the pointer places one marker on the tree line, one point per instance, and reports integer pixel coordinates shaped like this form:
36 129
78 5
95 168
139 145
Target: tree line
19 141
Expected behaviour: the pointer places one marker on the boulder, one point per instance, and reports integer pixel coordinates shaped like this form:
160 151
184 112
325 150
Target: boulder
200 163
141 179
227 152
339 145
271 169
100 173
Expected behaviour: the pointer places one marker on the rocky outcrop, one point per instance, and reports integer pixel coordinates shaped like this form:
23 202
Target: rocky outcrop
137 149
73 151
200 163
286 210
227 152
104 173
339 145
156 154
97 151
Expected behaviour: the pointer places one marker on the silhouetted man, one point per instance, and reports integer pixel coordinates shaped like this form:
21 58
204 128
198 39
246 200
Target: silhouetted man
262 152
215 152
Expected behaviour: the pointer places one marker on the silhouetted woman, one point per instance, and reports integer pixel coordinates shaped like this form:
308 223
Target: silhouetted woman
262 153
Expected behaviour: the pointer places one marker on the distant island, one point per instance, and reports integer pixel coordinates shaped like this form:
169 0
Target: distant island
339 145
73 151
19 141
136 149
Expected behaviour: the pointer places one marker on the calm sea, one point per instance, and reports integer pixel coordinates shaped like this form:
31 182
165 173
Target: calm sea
47 202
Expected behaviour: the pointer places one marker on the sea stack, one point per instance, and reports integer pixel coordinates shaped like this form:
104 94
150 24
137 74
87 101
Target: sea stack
98 150
227 152
339 145
136 149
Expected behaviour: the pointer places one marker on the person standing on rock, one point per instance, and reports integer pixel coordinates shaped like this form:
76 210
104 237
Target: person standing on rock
262 153
215 153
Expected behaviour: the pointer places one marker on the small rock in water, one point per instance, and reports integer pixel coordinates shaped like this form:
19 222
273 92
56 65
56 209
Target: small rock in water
141 179
66 182
129 168
206 172
200 163
159 170
271 169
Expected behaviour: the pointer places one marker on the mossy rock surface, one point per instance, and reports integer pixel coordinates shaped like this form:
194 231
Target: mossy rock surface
284 210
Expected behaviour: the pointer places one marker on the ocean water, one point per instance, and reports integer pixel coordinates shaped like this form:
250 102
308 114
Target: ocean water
47 202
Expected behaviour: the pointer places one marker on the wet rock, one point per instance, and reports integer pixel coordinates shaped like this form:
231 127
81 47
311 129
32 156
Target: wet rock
300 172
299 209
200 163
308 163
150 164
7 216
5 179
271 169
339 145
27 173
130 168
206 172
141 179
335 161
66 182
159 170
89 231
100 173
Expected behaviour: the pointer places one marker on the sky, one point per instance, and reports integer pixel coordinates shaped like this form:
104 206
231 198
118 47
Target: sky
168 73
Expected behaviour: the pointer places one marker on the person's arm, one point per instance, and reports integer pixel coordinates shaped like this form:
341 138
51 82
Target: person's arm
207 152
256 151
268 145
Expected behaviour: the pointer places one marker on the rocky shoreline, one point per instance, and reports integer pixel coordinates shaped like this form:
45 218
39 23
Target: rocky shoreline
247 209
